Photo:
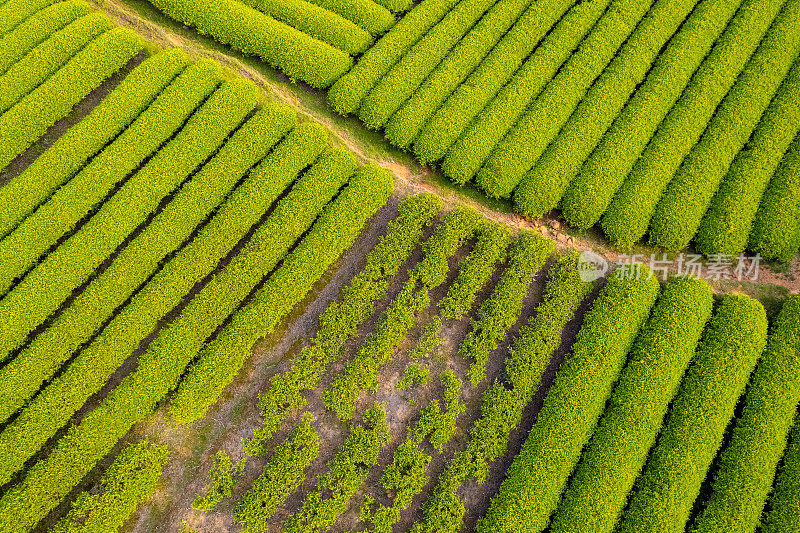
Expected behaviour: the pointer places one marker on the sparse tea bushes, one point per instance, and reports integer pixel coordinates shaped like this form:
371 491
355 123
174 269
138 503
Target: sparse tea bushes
784 514
220 483
693 432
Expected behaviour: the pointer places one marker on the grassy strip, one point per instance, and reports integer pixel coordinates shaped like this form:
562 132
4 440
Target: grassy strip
729 219
464 58
405 77
36 29
470 150
14 12
503 402
689 193
230 22
630 212
338 228
784 513
83 141
572 408
666 490
350 90
360 373
130 480
616 454
22 377
525 143
449 122
500 311
319 23
23 247
747 466
346 473
282 475
366 14
341 319
71 264
777 224
29 119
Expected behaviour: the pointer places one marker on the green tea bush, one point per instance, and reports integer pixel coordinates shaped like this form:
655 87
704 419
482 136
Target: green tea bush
784 513
220 483
366 14
14 12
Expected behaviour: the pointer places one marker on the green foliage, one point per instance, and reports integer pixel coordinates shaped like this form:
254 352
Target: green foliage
36 29
429 340
367 14
598 489
317 22
348 92
562 160
448 123
75 325
341 319
784 514
220 485
690 191
629 214
747 466
465 56
28 120
345 475
71 264
88 372
62 161
671 481
727 223
395 6
127 482
500 311
230 22
471 149
503 403
436 423
334 232
572 408
14 12
407 75
415 375
282 475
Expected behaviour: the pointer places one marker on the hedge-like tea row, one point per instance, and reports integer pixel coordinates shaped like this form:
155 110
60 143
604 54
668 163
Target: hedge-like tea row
500 310
503 403
517 153
366 14
361 372
632 208
14 12
89 371
38 28
406 123
729 220
349 91
335 232
130 479
22 248
83 141
617 452
158 372
605 170
776 230
670 483
341 319
562 160
47 58
29 119
689 193
282 475
469 152
140 259
395 6
476 270
345 475
572 408
492 74
411 70
747 466
71 264
319 23
784 514
230 22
